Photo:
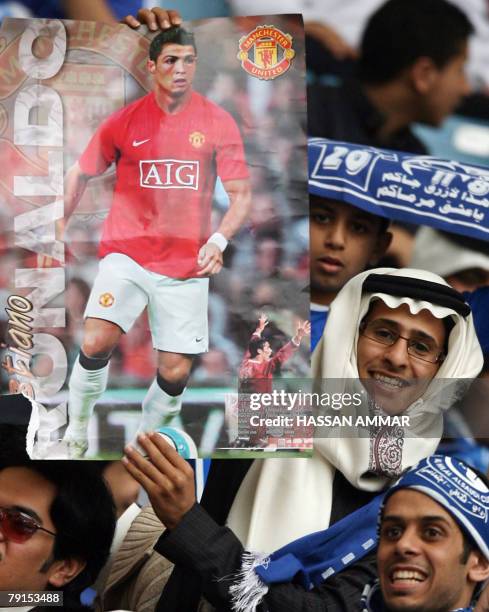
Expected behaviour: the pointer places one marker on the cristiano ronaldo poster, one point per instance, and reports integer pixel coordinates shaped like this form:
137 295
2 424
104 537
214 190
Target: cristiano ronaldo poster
153 229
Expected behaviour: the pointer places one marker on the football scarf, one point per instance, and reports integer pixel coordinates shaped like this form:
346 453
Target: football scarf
314 558
419 189
286 484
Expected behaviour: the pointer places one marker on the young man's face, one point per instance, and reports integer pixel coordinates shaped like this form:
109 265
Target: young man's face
174 69
265 351
394 377
447 87
27 566
420 556
344 241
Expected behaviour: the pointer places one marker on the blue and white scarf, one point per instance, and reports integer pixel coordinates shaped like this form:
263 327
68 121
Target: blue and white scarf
419 189
314 558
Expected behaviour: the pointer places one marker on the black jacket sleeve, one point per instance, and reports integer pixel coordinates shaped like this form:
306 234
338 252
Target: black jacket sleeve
214 553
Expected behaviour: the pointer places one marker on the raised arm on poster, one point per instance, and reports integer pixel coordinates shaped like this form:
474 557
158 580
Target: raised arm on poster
256 373
157 152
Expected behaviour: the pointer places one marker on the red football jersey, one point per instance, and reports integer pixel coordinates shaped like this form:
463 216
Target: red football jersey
166 168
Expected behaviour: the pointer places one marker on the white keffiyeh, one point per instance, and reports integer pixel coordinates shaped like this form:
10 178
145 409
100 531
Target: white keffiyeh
281 500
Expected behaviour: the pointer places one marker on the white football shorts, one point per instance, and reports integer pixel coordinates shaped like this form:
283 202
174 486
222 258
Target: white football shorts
177 309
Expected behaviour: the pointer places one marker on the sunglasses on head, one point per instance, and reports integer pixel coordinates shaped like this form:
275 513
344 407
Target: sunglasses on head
19 527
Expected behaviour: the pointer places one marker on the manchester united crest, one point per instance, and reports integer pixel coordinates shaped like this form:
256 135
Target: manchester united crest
196 139
106 300
266 52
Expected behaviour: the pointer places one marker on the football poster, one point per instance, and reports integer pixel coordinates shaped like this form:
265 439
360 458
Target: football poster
73 96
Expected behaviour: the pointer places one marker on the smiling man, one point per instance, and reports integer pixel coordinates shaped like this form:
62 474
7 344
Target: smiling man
56 526
399 353
433 540
210 540
406 318
168 147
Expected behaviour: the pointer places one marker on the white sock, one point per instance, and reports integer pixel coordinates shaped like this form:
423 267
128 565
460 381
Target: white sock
159 408
86 386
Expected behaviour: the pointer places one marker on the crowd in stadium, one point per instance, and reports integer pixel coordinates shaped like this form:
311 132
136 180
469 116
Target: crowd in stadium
394 520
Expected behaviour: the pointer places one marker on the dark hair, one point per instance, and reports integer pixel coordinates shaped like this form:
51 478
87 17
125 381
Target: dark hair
401 31
485 367
256 345
15 414
175 35
448 324
83 514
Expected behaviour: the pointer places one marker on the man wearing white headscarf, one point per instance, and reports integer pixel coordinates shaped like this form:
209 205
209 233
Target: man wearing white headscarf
286 484
280 500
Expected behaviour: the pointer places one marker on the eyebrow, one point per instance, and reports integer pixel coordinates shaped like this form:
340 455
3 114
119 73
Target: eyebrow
435 518
392 518
172 56
419 332
425 519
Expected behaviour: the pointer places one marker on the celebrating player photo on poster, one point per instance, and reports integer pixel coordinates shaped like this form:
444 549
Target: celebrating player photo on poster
153 207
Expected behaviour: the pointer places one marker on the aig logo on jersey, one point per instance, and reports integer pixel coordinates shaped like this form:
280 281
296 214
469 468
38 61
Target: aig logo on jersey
169 174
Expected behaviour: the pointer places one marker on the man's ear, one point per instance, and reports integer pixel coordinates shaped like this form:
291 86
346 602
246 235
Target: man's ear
478 567
63 571
381 247
423 74
151 66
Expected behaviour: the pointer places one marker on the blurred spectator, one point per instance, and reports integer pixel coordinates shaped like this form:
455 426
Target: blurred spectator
212 369
109 11
463 262
268 256
411 69
136 354
221 337
125 490
76 296
400 250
